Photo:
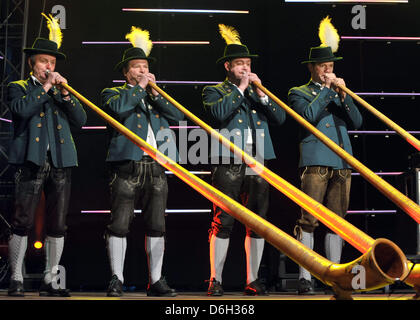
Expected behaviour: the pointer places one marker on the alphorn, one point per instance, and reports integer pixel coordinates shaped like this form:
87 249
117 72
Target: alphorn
383 263
346 230
397 197
405 203
403 133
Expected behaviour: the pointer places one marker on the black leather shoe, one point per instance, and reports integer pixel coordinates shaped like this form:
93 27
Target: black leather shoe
15 289
255 288
215 288
160 289
115 288
46 290
305 287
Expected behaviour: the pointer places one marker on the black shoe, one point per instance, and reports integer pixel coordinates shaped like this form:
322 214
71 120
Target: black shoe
160 289
16 289
115 288
255 288
215 288
47 290
305 287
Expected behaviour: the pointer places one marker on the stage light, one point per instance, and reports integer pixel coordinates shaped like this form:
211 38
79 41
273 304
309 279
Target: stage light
167 211
94 127
348 1
181 42
380 173
186 11
370 211
378 132
177 82
380 38
389 94
193 172
170 127
38 245
187 82
184 127
154 42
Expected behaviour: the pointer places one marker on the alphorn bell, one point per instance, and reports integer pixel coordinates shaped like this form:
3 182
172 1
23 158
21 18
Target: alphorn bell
403 133
383 263
347 231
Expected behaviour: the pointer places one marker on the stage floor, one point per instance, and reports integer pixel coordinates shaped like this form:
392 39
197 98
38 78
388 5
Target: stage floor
201 296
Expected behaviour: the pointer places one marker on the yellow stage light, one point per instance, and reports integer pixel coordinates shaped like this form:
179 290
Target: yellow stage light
38 245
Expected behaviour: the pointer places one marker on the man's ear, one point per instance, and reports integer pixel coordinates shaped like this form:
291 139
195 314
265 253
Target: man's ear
310 67
227 65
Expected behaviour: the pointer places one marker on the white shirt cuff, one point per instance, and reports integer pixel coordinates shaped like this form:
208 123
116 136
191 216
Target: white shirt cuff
264 100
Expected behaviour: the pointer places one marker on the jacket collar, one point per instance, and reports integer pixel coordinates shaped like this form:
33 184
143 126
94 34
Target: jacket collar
34 81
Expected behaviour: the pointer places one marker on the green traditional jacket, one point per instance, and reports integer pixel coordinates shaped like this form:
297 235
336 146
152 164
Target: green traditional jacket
325 110
42 121
234 113
133 107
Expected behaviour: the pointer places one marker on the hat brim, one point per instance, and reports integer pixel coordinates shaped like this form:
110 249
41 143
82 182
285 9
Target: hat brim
33 51
323 60
235 56
120 64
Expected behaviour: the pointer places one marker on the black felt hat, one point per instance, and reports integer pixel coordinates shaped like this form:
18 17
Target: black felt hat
44 46
233 51
321 54
131 54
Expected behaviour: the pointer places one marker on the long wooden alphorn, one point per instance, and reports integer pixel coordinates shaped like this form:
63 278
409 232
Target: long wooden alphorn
402 201
403 133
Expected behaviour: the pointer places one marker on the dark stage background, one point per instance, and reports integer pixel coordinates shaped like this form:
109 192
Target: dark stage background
282 35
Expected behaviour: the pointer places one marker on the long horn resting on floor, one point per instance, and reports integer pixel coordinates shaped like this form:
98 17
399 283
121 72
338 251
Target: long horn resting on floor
403 133
382 264
347 231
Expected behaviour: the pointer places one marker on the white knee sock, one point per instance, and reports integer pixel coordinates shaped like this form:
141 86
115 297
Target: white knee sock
333 247
218 252
17 250
117 247
254 249
155 248
308 241
53 251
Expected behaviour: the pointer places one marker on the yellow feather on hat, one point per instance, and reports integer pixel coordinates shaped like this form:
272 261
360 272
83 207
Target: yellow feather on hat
140 38
229 33
55 31
328 34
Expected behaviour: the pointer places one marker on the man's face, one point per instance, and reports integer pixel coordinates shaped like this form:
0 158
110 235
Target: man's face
134 68
237 67
40 63
318 70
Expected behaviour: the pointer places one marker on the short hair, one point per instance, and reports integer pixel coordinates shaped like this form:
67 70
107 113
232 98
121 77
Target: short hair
124 67
31 58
